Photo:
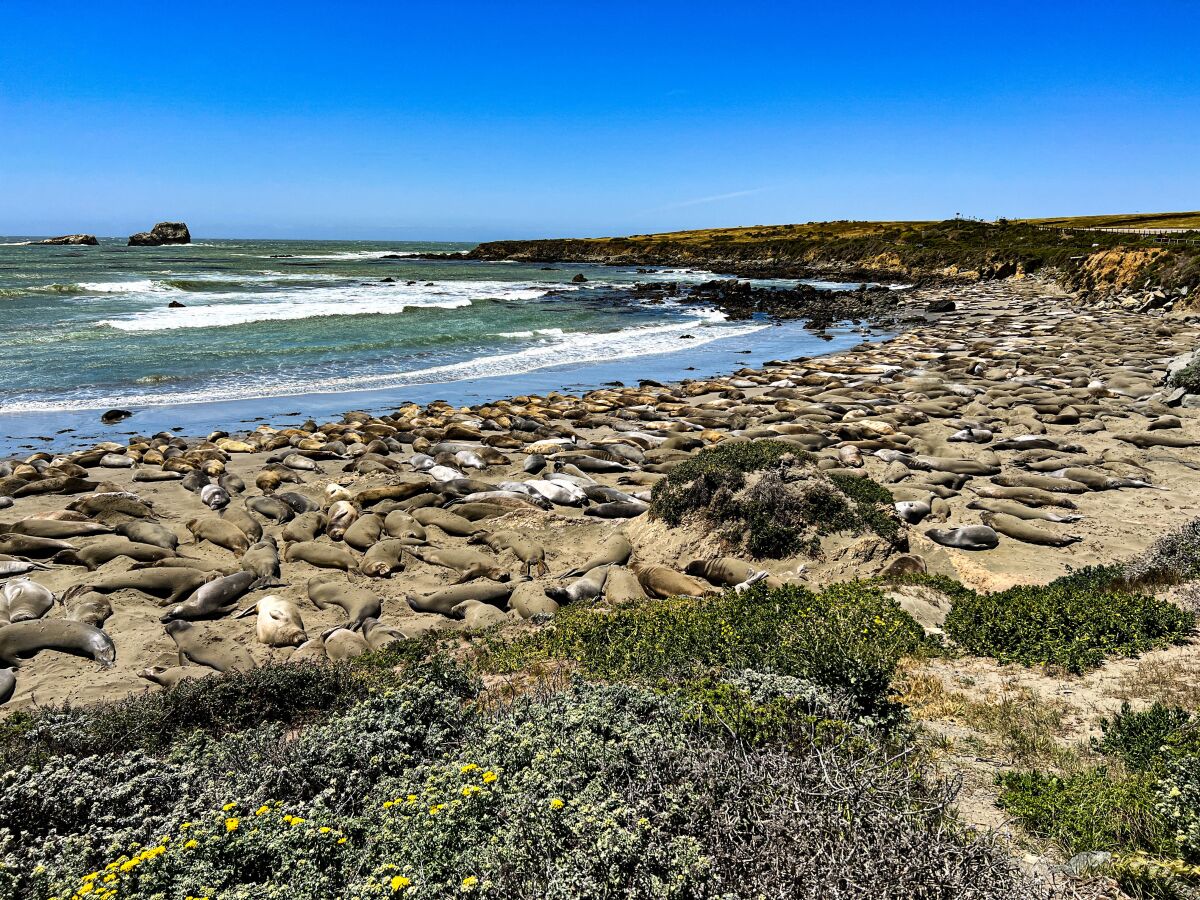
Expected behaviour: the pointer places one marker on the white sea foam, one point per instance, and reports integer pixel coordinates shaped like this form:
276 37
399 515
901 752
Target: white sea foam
567 349
547 332
348 254
142 286
210 310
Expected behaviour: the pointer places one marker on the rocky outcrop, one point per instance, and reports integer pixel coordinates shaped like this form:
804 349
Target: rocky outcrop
82 239
162 233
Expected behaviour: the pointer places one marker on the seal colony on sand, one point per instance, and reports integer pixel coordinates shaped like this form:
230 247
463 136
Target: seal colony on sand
1020 435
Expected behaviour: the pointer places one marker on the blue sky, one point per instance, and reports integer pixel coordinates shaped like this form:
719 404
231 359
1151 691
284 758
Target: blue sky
483 120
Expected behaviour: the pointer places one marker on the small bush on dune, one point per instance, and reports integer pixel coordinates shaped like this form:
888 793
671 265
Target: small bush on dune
1147 740
768 499
1074 622
1172 559
1187 378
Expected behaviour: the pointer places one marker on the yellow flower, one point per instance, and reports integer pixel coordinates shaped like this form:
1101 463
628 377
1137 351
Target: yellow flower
469 882
192 844
324 829
262 810
412 798
489 777
231 824
341 840
556 803
228 806
468 768
85 888
399 881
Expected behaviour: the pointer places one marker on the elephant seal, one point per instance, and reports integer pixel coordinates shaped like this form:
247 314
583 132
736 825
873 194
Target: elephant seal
37 547
445 600
214 496
1041 483
342 643
1152 439
323 556
585 587
1028 496
89 607
28 638
449 522
622 586
311 651
1013 508
402 491
212 598
169 584
469 563
400 525
365 532
913 511
220 532
305 527
383 558
262 559
905 564
357 603
107 549
11 567
1021 530
22 600
379 635
170 676
475 614
113 503
55 528
528 551
272 509
968 537
8 684
659 581
199 644
616 550
617 509
144 532
342 514
278 624
729 572
242 519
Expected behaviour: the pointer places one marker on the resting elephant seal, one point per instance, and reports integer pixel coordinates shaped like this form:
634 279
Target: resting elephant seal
213 598
383 558
618 509
10 567
8 684
615 551
659 581
905 564
402 491
968 537
27 638
37 547
379 635
278 624
144 532
622 586
305 527
1041 483
89 607
342 643
913 511
199 644
272 509
262 559
104 550
1021 530
402 526
449 522
358 603
445 600
55 528
169 584
220 532
1028 496
242 519
22 600
342 515
471 564
729 572
587 587
1155 439
365 532
323 556
169 676
478 615
527 550
1012 508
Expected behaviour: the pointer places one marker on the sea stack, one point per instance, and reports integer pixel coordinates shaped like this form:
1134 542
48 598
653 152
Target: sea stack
162 233
88 239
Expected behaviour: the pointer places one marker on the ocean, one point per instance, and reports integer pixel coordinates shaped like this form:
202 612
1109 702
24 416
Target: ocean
278 328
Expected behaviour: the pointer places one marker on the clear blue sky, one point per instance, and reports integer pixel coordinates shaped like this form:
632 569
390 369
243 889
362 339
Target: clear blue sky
480 120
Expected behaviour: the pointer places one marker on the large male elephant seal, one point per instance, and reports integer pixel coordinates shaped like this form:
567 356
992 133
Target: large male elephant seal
200 645
278 624
660 581
1026 532
220 532
445 600
27 638
167 584
358 603
106 549
729 572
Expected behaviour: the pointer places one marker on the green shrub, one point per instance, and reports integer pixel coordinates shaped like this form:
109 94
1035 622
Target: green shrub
1088 810
1179 803
846 639
1187 378
783 509
1172 559
1146 740
1074 622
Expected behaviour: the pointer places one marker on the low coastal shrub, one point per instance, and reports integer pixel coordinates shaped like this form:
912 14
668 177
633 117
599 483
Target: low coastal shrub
766 498
1073 622
1147 740
846 639
1172 559
587 792
1187 378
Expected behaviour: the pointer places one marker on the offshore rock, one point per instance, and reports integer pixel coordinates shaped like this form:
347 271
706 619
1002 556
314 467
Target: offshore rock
162 233
82 239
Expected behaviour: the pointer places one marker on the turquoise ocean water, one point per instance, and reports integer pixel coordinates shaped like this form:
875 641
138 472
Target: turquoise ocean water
329 326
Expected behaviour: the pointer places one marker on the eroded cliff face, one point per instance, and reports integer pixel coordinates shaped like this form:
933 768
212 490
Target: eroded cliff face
1113 271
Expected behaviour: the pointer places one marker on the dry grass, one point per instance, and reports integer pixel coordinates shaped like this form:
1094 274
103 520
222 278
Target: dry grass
1133 220
1172 682
754 233
1024 728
